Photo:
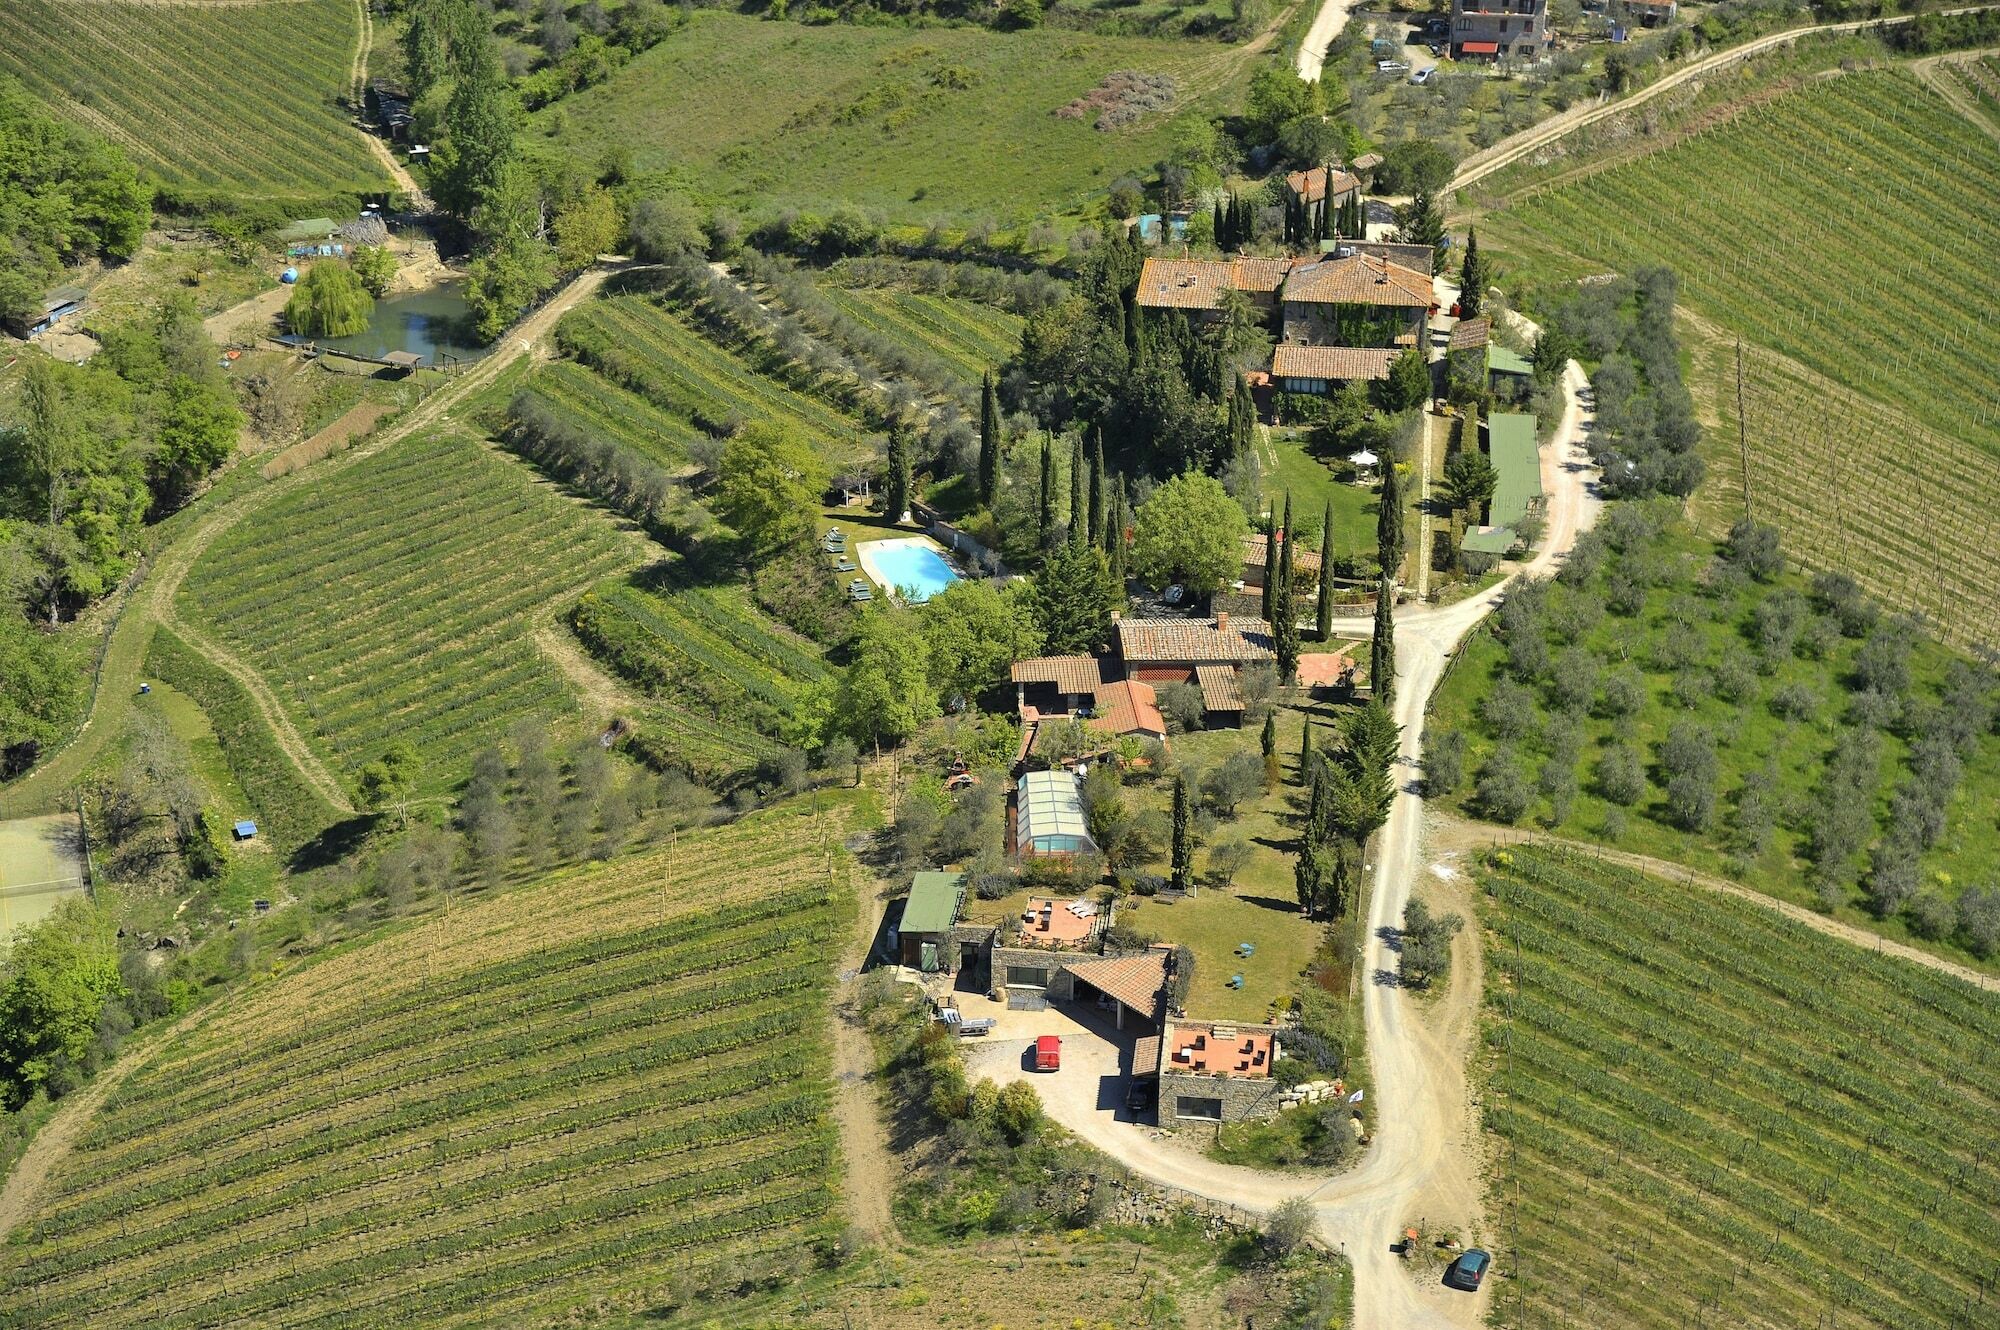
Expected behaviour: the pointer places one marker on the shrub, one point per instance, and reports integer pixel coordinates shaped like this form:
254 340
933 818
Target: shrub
1931 915
1689 761
1979 921
1290 1224
1621 777
1502 792
1444 762
1181 705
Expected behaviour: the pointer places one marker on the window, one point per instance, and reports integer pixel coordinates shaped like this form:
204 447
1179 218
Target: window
1189 1107
1029 976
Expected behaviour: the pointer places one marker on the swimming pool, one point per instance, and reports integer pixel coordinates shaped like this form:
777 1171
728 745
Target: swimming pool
913 567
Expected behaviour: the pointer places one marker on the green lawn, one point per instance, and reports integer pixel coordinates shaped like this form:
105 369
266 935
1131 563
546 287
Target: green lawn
252 866
1311 485
953 123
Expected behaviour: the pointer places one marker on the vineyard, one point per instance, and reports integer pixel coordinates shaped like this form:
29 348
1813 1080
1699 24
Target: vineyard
594 1089
724 675
262 121
592 402
1808 224
968 338
1705 1114
393 600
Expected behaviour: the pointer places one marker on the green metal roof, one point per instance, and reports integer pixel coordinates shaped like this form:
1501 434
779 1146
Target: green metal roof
933 903
1517 462
1499 360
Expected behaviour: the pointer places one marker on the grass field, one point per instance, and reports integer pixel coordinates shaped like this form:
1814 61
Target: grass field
1703 1113
597 1087
919 124
263 121
1800 218
394 600
41 861
1312 485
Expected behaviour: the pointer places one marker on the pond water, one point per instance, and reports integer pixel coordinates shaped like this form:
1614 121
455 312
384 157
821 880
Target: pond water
435 323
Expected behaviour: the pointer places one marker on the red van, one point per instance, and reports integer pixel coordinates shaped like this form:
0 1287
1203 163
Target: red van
1048 1053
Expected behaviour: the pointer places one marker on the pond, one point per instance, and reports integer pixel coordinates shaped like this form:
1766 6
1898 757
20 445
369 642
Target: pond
435 323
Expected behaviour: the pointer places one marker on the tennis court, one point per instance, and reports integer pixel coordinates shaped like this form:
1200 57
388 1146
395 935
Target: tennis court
41 861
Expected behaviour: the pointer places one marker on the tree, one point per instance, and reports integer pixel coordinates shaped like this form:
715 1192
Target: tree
1472 279
1277 96
1389 521
1096 524
1285 628
388 781
972 632
666 228
199 423
1382 646
1408 385
1323 609
989 440
1306 752
1071 598
1190 531
477 138
517 263
1689 761
1292 1221
1079 497
57 977
1269 589
897 485
329 301
1426 943
1183 852
588 225
885 693
1469 480
1273 772
1421 222
558 38
1045 511
1018 1111
1414 166
375 266
1242 419
768 481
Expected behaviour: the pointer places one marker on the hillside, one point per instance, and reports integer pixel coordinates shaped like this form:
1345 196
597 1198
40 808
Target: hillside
262 122
953 122
1840 224
1700 1111
594 1089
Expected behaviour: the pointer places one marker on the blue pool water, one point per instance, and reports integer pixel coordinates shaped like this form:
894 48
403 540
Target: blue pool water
917 571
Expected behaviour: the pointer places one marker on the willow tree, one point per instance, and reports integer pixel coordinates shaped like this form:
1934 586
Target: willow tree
329 301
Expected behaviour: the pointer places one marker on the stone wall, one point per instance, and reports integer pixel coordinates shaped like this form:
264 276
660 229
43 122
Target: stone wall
1242 1096
1060 983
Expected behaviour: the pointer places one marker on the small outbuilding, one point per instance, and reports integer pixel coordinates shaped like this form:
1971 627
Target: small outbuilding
929 913
244 830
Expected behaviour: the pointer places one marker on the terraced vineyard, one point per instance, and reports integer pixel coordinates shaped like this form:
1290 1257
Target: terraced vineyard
968 337
593 402
725 676
394 600
262 121
651 351
588 1089
1704 1113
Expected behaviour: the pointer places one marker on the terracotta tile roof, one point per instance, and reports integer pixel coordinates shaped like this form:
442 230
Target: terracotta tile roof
1129 707
1137 981
1346 363
1191 641
1470 334
1359 279
1312 184
1146 1055
1304 560
1199 283
1219 690
1367 161
1070 674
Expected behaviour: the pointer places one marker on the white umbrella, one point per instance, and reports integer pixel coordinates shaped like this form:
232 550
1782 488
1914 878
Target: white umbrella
1364 458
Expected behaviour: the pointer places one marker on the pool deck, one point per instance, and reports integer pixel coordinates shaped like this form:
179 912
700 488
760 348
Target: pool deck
864 554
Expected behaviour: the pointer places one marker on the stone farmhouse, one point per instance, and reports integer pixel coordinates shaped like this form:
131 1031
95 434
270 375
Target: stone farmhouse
1212 1072
1116 693
1497 29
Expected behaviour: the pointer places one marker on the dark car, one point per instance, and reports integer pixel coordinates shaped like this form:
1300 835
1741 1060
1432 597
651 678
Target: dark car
1139 1096
1468 1270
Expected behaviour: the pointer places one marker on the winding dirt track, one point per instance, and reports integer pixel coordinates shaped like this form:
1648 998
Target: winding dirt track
1516 146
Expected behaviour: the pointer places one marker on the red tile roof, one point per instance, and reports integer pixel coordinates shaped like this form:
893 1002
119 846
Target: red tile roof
1304 560
1344 363
1129 708
1359 279
1311 185
1218 1050
1470 334
1199 283
1191 641
1070 674
1219 690
1137 981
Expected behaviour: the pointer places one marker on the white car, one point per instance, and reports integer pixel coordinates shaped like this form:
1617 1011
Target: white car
1423 75
1389 66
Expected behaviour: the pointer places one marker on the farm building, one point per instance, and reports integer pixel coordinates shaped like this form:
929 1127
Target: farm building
1211 1072
1320 370
1357 299
1058 687
1517 495
1256 557
1120 690
44 314
1197 286
1048 815
1493 29
1476 362
930 910
1310 187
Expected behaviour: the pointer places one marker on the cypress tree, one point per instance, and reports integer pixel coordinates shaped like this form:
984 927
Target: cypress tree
1079 498
1306 752
1242 419
1046 515
1306 876
1274 771
1285 632
1382 649
1220 225
899 470
1471 279
1270 561
1389 520
1323 619
1183 837
1114 534
989 440
1095 531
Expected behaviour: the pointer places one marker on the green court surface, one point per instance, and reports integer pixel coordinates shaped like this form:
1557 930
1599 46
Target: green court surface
41 861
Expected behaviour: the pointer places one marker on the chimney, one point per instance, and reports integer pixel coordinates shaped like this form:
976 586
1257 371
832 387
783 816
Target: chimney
1222 621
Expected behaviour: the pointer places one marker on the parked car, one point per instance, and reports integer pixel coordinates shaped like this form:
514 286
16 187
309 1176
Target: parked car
1423 75
1390 66
1139 1096
1468 1270
1048 1053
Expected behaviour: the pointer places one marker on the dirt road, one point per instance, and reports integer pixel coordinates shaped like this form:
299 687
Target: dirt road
1326 25
868 1177
1516 146
1953 92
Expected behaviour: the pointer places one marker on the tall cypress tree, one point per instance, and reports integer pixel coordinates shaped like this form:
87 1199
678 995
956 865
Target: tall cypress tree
1285 631
1046 514
1079 498
1471 279
1270 561
1220 225
1323 618
1096 531
1183 837
989 440
899 470
1307 875
1382 648
1242 419
1389 520
1114 534
1306 752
